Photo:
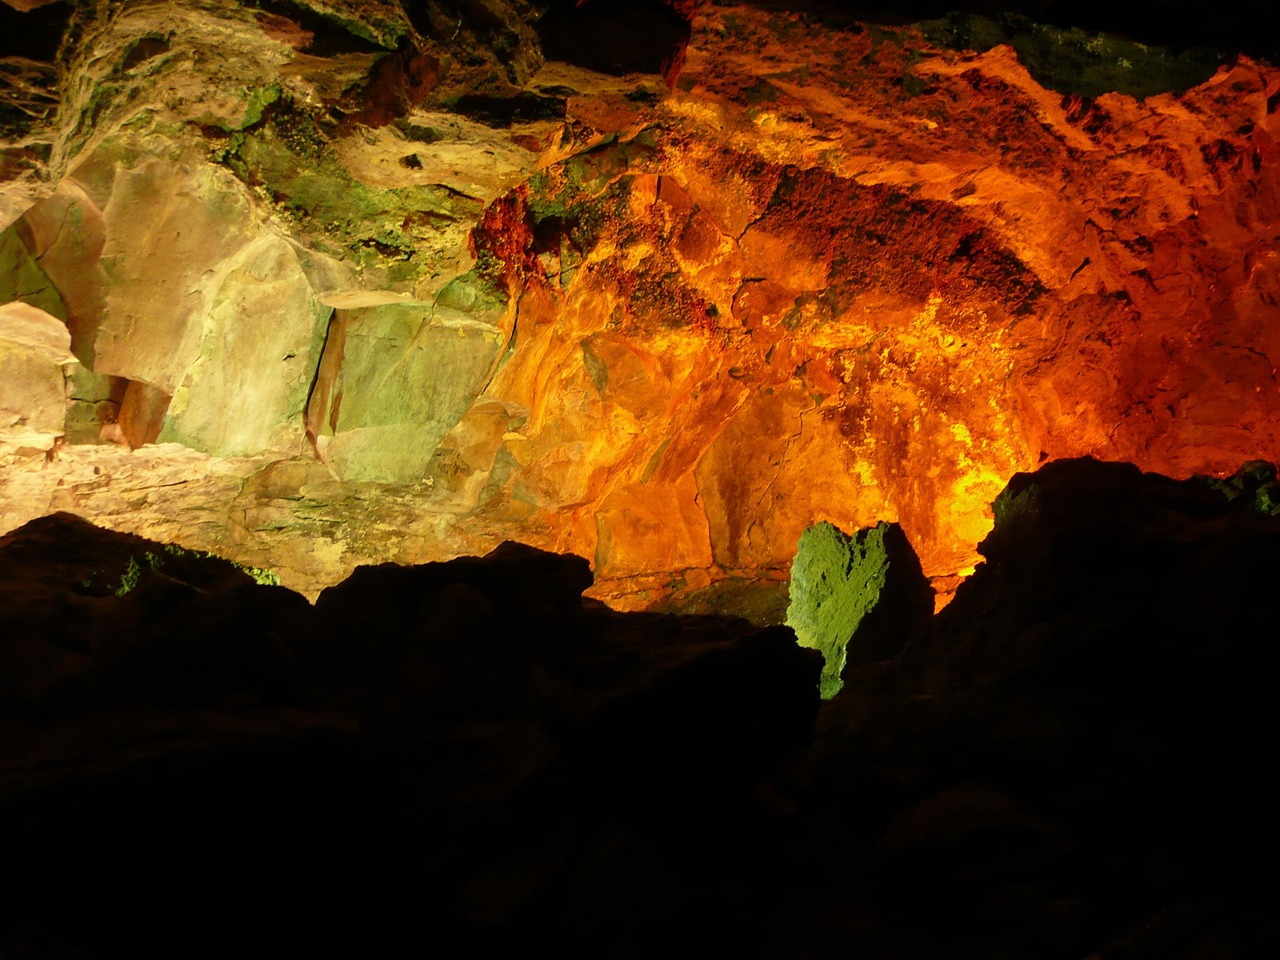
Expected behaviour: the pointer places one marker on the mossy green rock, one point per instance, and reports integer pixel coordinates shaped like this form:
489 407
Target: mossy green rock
21 277
394 379
855 598
1255 484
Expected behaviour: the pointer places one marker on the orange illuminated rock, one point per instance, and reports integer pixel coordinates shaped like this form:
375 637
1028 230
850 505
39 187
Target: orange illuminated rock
879 305
801 269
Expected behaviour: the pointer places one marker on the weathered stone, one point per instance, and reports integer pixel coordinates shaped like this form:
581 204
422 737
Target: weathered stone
35 348
65 234
22 279
142 413
869 283
173 226
464 461
247 390
856 599
393 381
93 405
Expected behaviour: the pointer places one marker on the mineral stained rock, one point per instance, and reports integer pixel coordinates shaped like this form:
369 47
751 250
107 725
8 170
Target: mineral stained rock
663 299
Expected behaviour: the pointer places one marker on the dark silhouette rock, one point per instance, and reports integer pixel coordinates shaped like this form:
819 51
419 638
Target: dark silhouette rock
1067 761
543 764
1102 675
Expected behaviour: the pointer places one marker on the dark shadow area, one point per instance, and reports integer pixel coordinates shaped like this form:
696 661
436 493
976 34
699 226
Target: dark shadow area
646 36
1069 760
505 111
35 34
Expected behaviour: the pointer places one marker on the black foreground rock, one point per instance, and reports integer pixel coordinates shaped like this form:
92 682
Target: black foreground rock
1068 762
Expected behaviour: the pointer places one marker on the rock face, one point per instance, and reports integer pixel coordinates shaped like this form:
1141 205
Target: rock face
34 350
1068 760
394 379
663 298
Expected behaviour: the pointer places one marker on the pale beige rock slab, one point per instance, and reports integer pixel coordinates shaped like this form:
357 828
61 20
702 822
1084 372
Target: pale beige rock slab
34 348
24 325
247 390
172 234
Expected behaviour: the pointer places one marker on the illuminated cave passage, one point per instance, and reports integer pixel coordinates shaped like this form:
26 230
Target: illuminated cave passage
398 284
353 351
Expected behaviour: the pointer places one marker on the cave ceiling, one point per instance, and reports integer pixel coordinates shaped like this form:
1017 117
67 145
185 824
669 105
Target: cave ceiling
318 283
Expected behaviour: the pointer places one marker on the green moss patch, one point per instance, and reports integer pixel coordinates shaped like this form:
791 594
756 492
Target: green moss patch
285 154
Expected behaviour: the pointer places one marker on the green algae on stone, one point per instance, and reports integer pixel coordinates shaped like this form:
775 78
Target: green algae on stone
406 232
256 104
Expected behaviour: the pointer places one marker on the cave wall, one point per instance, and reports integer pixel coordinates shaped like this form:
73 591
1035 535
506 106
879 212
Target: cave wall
354 281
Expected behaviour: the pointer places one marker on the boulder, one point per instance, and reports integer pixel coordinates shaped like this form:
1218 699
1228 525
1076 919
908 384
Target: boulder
1070 748
35 350
393 381
476 716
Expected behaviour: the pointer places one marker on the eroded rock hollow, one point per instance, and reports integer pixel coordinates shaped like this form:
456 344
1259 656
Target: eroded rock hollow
311 284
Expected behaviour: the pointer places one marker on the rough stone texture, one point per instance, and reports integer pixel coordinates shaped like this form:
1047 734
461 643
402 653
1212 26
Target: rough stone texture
736 267
396 377
64 236
262 334
34 350
856 599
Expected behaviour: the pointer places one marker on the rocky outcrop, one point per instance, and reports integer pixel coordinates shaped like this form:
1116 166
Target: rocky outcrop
533 757
1067 760
396 377
663 299
34 351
